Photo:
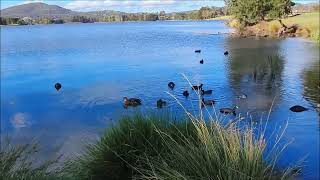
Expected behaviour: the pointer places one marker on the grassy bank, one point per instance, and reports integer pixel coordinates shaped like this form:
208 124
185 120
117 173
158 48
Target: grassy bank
159 147
308 26
224 18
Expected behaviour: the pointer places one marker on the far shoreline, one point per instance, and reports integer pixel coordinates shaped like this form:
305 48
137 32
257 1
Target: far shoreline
249 32
220 18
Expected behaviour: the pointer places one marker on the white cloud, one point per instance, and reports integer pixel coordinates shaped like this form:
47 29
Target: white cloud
79 5
156 3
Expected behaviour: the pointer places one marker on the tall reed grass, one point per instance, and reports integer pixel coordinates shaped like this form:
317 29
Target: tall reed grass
17 162
150 147
118 153
158 147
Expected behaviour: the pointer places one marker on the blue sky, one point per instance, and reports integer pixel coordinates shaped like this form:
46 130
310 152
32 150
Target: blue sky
129 5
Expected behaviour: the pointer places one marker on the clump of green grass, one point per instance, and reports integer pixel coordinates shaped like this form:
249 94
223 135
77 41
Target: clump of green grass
156 147
216 152
17 163
117 154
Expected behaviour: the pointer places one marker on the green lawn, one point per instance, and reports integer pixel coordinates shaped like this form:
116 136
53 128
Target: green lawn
308 21
308 25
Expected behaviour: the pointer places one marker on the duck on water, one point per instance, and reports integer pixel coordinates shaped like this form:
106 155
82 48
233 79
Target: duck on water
203 92
207 102
171 85
57 86
185 93
195 87
161 103
131 101
229 110
298 108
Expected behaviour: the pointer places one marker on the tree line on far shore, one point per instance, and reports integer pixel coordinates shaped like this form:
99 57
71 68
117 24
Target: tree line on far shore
247 12
201 14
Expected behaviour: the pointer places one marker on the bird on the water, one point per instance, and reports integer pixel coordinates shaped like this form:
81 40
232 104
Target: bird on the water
171 85
195 87
203 92
185 93
298 108
229 110
207 102
161 103
57 86
131 101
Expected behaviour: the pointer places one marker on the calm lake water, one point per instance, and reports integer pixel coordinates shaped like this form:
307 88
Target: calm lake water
99 64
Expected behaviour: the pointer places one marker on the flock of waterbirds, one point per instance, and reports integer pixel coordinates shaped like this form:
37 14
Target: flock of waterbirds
161 103
209 102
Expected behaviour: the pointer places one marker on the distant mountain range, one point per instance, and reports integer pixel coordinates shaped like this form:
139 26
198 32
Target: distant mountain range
35 10
41 13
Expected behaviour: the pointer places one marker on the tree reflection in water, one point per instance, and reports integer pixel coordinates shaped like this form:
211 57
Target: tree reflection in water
312 85
256 68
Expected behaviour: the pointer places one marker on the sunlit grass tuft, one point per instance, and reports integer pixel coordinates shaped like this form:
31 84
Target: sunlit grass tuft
117 154
17 162
215 152
158 147
308 25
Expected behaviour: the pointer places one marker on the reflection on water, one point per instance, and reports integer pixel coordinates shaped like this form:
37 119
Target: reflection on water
256 69
20 120
99 64
312 85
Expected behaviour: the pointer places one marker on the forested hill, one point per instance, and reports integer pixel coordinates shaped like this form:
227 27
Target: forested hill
34 10
41 13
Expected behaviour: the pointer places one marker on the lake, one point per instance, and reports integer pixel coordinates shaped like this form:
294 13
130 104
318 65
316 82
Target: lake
98 64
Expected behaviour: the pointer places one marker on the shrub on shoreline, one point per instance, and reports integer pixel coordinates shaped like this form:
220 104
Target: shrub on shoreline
307 23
